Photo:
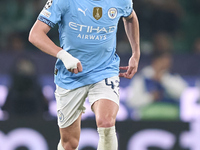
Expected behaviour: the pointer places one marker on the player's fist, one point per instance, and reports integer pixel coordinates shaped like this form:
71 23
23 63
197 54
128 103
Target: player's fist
78 69
71 63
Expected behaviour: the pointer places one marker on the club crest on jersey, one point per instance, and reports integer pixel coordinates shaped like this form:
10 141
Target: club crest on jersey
112 13
48 4
97 12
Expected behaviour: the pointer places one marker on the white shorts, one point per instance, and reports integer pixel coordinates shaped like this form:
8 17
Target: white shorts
70 103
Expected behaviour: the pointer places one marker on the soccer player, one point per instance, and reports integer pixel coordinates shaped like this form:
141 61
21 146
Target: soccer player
87 65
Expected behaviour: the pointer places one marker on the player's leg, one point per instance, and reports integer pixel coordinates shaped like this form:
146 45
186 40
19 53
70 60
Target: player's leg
70 136
105 112
70 107
104 99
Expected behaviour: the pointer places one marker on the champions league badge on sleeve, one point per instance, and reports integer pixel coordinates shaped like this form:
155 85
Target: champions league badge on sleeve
46 13
112 13
48 4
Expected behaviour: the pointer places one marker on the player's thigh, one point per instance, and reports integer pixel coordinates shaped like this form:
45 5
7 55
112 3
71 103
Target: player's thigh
105 112
104 99
70 105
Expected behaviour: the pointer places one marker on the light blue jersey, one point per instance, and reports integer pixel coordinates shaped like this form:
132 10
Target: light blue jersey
87 30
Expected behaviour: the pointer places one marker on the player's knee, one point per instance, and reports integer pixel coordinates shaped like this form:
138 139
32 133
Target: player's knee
105 122
71 144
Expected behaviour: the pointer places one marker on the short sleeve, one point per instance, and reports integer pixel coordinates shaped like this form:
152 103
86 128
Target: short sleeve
52 12
128 8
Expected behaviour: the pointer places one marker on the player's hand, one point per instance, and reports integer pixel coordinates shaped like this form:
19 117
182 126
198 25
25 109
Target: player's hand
130 70
78 69
71 63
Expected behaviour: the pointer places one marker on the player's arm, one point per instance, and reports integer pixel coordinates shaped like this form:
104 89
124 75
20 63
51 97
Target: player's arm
131 26
38 37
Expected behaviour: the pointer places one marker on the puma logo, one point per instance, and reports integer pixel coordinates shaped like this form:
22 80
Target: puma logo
79 9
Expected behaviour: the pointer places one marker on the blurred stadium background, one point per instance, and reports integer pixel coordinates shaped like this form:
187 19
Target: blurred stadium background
159 122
